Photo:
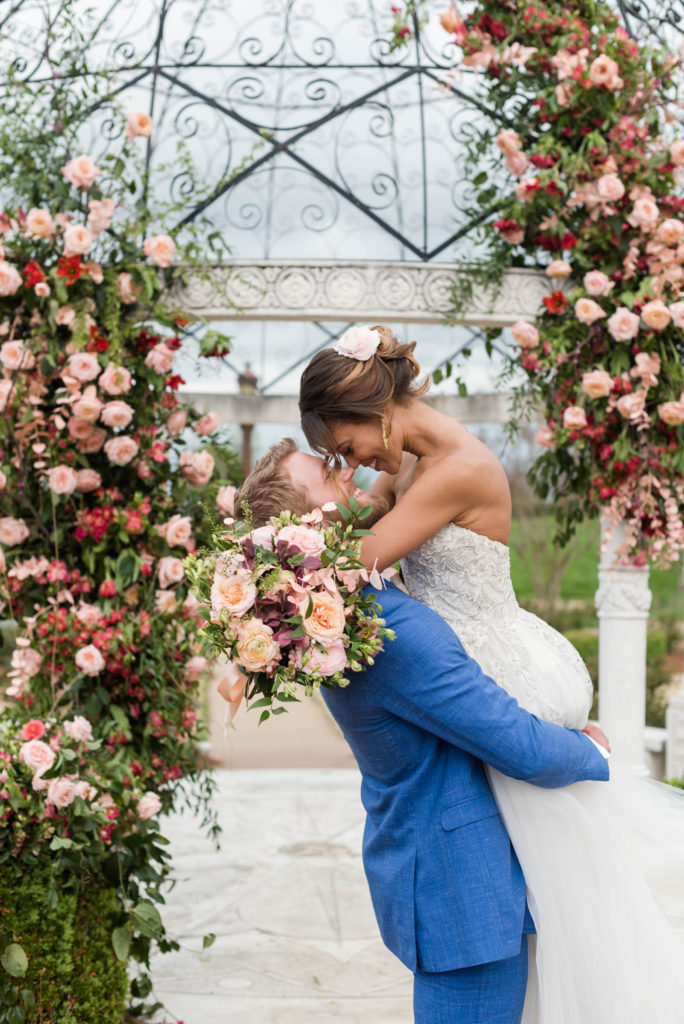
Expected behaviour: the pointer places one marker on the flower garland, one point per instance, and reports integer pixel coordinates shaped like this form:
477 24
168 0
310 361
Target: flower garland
582 118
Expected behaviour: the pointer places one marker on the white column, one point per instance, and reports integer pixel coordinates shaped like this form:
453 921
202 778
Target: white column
623 601
674 751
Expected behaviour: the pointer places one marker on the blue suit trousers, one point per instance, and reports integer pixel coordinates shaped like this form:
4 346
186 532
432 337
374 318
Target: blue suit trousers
492 993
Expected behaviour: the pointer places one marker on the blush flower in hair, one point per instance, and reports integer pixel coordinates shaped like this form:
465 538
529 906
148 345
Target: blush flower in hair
358 343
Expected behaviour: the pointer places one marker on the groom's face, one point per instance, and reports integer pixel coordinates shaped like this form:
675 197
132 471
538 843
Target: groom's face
322 482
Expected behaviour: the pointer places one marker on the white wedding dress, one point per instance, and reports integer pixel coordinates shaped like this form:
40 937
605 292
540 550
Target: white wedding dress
603 862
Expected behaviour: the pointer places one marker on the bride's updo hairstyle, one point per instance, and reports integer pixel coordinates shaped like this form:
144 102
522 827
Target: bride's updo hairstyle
337 388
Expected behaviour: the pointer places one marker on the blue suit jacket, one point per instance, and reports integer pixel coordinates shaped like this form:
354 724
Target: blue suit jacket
446 885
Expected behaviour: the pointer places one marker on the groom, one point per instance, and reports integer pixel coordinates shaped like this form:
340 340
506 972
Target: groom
447 889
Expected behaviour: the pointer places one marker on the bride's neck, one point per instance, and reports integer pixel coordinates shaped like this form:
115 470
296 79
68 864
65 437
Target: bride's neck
424 430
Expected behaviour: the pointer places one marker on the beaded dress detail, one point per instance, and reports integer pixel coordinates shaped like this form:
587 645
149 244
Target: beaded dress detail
603 862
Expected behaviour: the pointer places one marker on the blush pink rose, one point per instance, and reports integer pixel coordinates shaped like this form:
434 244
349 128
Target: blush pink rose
178 532
327 619
65 316
42 289
149 804
208 423
656 315
138 124
12 531
121 450
10 279
597 283
508 142
645 213
194 667
88 407
225 499
159 358
100 213
115 380
79 429
117 414
631 406
597 384
672 413
14 356
328 662
127 288
37 755
165 602
197 467
61 792
256 648
176 422
677 152
83 366
677 311
88 480
605 71
79 729
81 171
77 240
360 342
171 571
587 311
39 223
89 660
526 335
92 442
62 480
160 249
558 269
310 541
574 417
670 232
623 325
517 163
234 594
610 188
89 613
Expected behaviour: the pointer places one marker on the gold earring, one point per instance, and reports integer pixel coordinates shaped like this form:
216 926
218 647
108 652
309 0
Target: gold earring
385 432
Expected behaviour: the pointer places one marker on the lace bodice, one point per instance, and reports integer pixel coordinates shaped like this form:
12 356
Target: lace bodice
465 577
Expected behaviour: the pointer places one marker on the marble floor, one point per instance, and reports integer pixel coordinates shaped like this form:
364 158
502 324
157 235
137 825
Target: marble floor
296 940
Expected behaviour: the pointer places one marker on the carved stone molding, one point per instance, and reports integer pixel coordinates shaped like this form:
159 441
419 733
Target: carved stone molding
344 290
623 593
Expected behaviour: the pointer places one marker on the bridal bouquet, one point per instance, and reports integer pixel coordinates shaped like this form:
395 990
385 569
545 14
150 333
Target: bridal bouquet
287 606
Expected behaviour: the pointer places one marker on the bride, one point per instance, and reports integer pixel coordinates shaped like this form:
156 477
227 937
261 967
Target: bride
604 865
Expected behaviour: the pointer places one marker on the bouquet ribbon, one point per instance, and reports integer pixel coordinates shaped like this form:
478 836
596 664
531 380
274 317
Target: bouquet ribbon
232 689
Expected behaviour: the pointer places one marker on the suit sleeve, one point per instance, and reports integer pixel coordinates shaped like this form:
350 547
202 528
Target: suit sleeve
428 679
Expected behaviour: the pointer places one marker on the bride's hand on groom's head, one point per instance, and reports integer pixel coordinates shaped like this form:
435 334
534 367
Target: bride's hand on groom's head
597 734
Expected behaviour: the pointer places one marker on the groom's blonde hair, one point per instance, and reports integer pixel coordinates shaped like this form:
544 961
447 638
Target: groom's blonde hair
269 489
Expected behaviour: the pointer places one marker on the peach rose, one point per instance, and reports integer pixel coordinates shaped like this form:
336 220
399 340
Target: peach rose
79 729
256 648
81 171
83 366
120 450
197 467
610 188
327 620
225 499
65 316
14 356
159 358
37 755
558 269
517 163
574 418
12 531
328 662
160 249
670 232
42 289
39 224
208 423
62 480
310 541
176 422
656 315
544 437
79 429
171 571
677 152
117 414
127 288
165 602
587 311
452 23
149 804
597 384
178 532
605 71
526 335
115 380
677 312
138 124
61 792
508 141
645 213
631 406
88 407
597 283
10 279
92 442
672 413
100 213
234 594
623 325
88 480
77 240
89 660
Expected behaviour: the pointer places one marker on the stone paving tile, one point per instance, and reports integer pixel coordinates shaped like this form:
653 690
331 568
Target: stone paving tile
288 901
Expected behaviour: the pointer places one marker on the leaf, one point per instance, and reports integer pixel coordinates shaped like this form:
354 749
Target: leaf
121 942
264 716
208 940
14 960
146 919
